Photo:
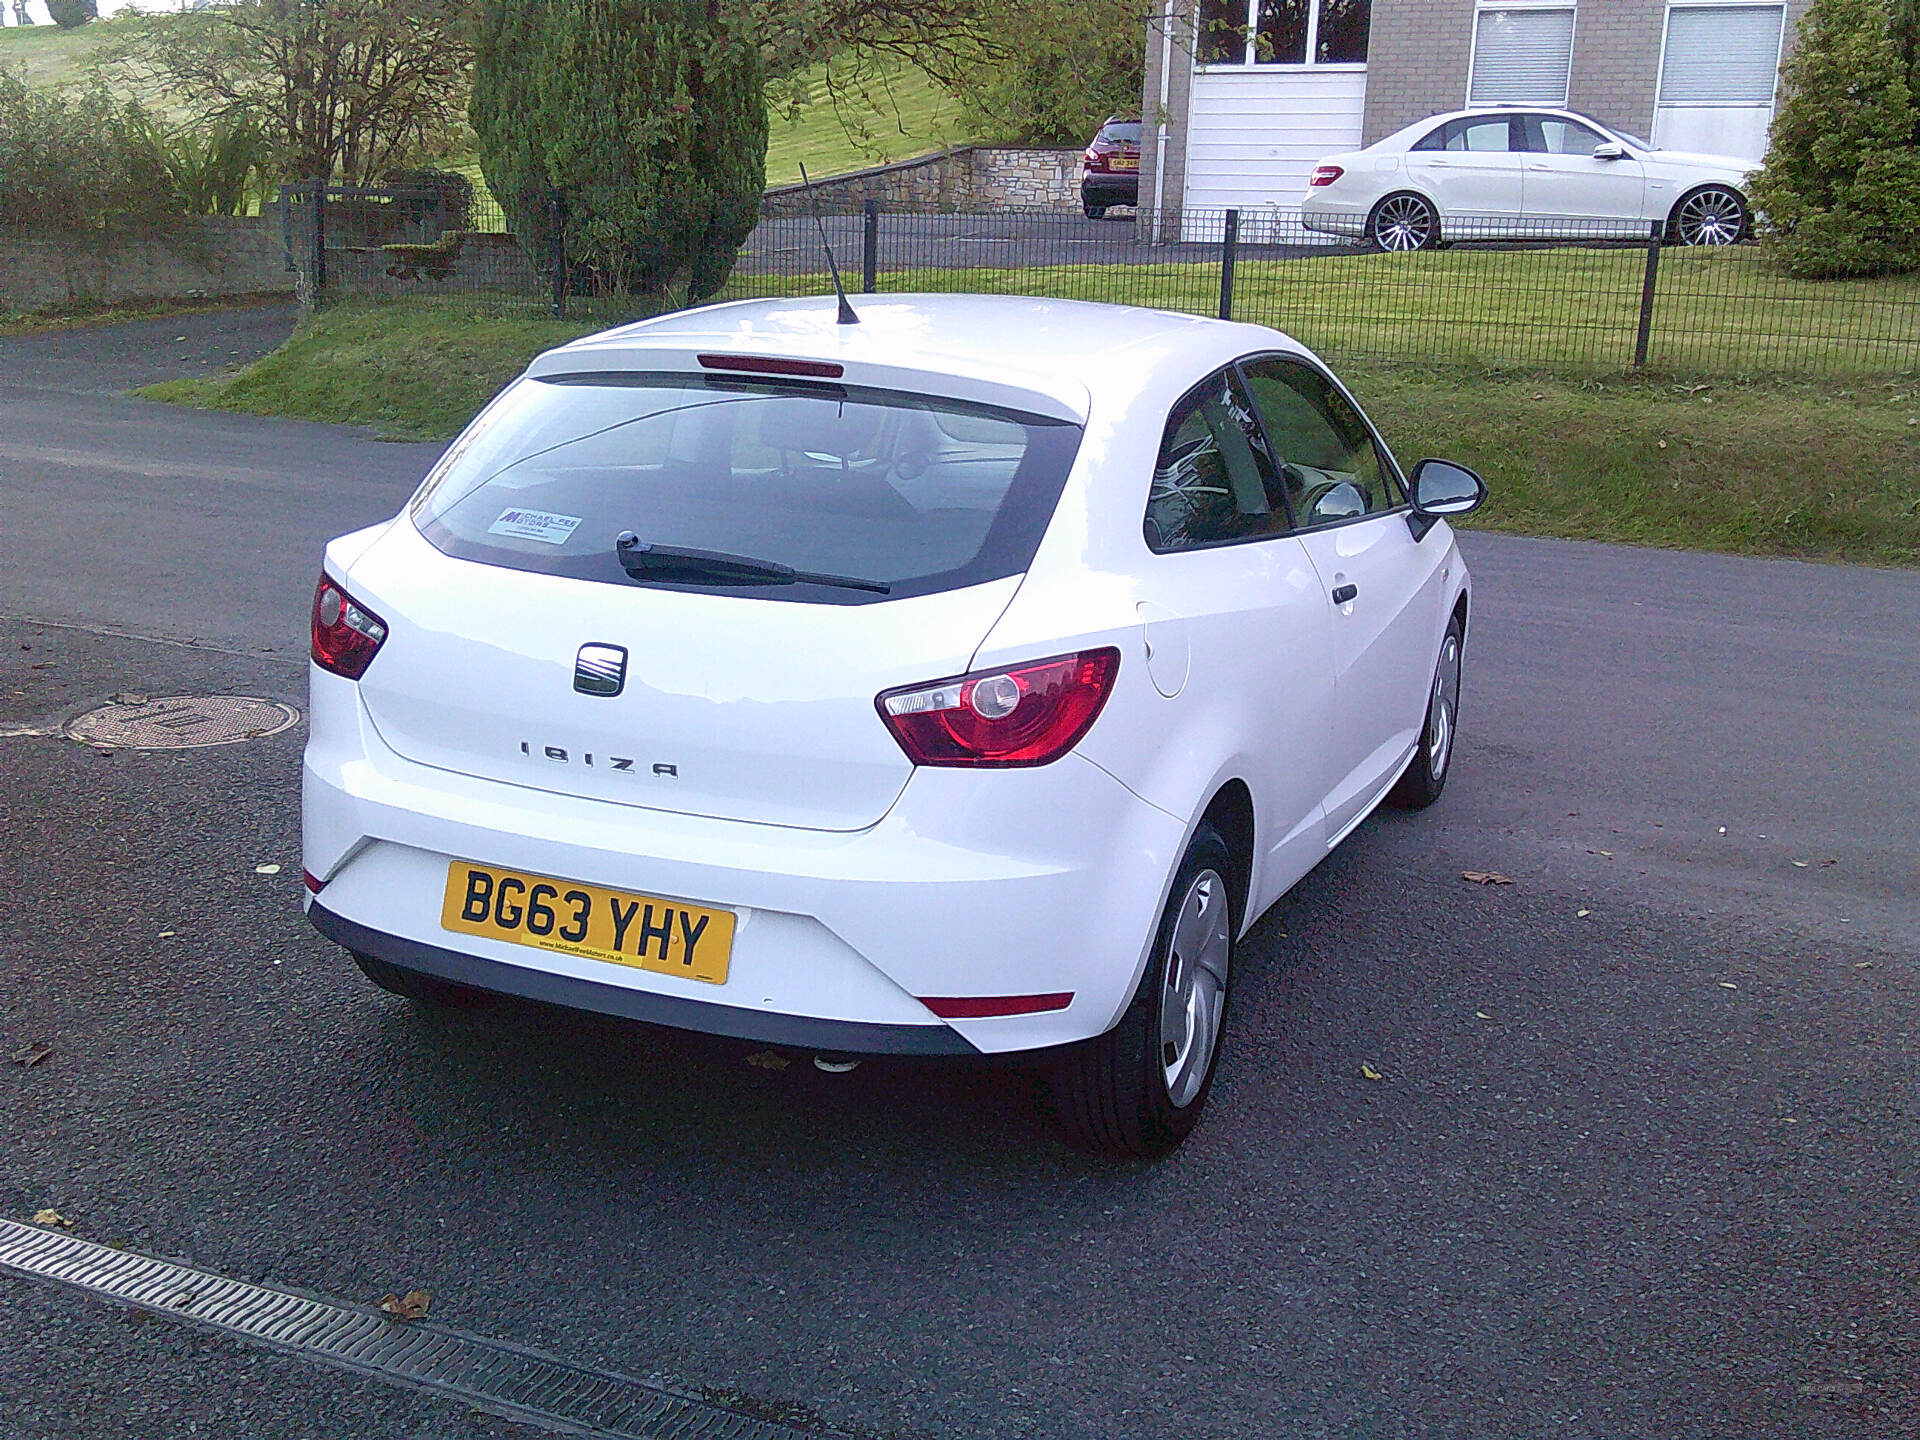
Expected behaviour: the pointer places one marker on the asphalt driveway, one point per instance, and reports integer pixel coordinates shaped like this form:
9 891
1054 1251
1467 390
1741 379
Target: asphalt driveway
1640 1162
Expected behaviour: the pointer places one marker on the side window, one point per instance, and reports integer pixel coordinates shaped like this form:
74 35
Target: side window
1213 482
1434 139
1490 134
1327 459
1550 135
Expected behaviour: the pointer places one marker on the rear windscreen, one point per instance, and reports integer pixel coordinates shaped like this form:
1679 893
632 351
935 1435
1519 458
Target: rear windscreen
908 492
1121 132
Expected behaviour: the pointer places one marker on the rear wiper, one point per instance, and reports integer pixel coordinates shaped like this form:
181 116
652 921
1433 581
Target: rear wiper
642 561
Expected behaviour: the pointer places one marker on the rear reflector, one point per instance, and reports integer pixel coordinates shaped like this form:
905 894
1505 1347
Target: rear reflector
1023 715
1325 175
983 1007
774 365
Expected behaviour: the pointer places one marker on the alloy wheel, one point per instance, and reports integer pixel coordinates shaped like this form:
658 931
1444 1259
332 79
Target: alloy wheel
1442 707
1193 1000
1710 217
1403 222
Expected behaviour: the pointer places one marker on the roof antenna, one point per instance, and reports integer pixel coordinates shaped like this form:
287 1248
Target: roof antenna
847 317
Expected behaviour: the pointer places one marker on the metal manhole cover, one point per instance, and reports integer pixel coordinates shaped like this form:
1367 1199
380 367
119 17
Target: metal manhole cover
182 722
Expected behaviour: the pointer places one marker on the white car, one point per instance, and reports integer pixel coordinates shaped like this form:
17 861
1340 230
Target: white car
1530 173
873 688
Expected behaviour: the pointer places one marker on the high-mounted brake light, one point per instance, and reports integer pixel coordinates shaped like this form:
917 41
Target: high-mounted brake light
346 635
1324 175
1023 715
774 365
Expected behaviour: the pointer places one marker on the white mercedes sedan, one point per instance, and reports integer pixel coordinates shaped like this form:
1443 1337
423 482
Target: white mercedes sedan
1523 173
965 680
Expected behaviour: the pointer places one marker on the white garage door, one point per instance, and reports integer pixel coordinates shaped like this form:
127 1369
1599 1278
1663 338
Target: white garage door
1717 78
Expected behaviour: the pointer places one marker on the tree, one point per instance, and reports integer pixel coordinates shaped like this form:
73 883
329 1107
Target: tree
341 90
1841 185
1076 62
71 14
647 117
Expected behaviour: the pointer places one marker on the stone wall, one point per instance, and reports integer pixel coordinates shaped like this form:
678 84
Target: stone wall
972 177
209 256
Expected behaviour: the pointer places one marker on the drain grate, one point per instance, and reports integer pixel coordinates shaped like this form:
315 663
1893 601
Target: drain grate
517 1383
182 722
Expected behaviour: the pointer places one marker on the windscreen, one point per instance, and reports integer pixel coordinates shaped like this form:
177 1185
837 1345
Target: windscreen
1121 132
907 493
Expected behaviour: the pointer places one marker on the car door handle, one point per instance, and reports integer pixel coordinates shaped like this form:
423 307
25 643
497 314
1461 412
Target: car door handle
1344 593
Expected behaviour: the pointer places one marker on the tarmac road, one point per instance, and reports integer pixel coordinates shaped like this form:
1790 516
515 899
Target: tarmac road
1665 1187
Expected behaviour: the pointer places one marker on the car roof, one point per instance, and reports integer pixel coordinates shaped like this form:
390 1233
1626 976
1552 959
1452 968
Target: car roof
1065 350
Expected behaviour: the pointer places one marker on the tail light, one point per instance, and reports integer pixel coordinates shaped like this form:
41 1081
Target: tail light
1096 159
1324 175
1025 715
346 635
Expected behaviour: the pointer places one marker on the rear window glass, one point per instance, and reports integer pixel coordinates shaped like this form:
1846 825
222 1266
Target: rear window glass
907 492
1120 132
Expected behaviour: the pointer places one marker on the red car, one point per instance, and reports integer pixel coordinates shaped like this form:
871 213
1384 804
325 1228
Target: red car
1110 170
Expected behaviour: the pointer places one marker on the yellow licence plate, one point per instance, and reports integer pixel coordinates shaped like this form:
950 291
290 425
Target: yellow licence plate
1126 162
668 937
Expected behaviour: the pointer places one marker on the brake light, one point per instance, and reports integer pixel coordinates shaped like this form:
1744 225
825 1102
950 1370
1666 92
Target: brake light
1096 159
1324 175
1024 715
346 635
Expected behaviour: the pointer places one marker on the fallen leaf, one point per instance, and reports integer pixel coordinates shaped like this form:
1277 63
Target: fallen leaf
1539 395
1723 829
30 1055
1583 913
1485 877
1728 985
411 1306
767 1060
1663 444
266 869
1825 863
52 1217
1863 964
1481 1015
1799 864
166 934
1367 1072
41 665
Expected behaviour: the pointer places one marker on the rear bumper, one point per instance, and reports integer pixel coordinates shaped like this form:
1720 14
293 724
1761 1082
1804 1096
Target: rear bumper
801 1032
976 884
1330 217
1110 189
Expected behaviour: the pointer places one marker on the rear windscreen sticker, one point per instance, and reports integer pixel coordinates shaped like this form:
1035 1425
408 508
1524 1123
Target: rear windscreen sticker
535 525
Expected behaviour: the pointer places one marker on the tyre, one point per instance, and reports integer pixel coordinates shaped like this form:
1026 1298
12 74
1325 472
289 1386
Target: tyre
1404 221
1094 212
412 985
1426 774
1711 215
1138 1090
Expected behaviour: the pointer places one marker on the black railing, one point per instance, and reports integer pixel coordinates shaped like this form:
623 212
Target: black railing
1595 296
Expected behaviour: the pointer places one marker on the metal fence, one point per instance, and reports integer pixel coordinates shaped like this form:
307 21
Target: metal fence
1595 296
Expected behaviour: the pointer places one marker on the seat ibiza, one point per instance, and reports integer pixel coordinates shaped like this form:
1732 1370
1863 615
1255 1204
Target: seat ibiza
965 680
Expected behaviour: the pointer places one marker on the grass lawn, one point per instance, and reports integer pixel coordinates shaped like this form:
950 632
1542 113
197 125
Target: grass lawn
1827 470
905 115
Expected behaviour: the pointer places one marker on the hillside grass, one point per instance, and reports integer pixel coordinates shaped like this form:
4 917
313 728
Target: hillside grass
904 115
1814 470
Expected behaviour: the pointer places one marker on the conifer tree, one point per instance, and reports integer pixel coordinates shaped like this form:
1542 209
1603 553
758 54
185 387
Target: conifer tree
647 117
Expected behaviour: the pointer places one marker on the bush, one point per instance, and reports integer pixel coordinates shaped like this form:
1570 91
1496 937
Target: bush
70 14
74 161
649 122
452 206
1840 189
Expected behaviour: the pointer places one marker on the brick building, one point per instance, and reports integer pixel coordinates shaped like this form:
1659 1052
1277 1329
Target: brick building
1244 96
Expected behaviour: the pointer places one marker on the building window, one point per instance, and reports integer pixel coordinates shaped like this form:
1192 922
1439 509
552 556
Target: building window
1721 55
1522 54
1282 32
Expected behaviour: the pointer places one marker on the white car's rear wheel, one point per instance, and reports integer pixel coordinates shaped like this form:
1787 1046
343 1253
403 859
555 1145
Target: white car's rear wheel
1403 222
1139 1089
1711 215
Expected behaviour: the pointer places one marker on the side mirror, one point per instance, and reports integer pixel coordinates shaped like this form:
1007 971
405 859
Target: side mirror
1610 150
1441 488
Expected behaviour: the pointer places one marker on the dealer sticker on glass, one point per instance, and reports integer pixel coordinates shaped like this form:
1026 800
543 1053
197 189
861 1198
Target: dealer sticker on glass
535 525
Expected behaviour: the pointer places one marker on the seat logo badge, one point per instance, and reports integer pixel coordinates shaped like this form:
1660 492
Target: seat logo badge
600 670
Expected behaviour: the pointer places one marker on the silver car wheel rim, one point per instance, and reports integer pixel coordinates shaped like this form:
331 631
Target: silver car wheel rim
1710 218
1403 223
1194 996
1440 713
